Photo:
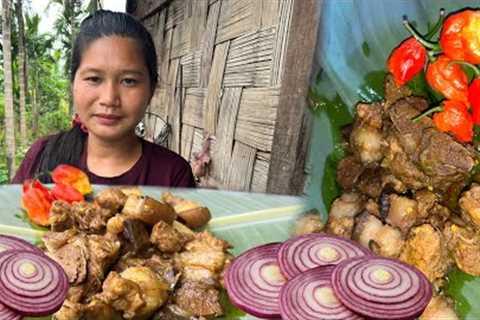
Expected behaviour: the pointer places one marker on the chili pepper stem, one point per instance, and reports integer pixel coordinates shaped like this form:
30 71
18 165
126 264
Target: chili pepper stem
426 113
465 63
427 44
437 25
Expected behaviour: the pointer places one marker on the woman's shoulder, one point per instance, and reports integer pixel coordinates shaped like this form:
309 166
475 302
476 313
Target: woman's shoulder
30 161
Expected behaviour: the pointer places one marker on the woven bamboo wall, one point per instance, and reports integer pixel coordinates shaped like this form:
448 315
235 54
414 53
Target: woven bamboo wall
220 65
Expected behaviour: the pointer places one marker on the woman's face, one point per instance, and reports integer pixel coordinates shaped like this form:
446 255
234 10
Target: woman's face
111 88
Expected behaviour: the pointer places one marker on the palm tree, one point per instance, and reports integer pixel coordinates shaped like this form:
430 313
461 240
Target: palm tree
22 71
8 84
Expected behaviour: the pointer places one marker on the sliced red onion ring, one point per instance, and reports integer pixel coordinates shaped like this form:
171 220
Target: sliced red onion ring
309 296
253 281
30 283
8 314
14 243
381 288
316 249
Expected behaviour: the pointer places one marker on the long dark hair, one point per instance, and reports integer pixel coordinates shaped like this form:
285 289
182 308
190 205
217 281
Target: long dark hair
67 147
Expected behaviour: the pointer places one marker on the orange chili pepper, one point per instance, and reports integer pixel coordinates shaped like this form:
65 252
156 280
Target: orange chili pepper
407 60
70 175
34 183
448 78
454 118
460 36
67 193
37 205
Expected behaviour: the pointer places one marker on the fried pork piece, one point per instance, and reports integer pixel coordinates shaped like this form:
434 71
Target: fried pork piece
439 308
198 299
123 295
403 212
70 311
309 223
393 92
112 199
470 205
192 213
382 239
135 234
60 216
89 217
148 210
367 138
426 249
166 238
73 257
426 200
173 312
342 213
54 240
464 245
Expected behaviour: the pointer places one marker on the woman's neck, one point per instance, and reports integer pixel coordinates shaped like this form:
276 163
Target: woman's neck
111 159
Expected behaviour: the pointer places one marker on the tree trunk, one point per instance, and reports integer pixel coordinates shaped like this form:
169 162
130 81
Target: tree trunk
34 109
22 72
7 69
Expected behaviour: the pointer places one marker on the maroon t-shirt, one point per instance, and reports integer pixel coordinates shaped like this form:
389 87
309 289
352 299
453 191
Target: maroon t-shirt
157 166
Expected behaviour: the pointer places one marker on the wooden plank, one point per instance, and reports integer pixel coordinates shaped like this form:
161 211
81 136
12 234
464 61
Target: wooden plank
192 113
241 167
221 153
236 18
208 43
286 168
260 175
187 141
212 101
286 7
165 60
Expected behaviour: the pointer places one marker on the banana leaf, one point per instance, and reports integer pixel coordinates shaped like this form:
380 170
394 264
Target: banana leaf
243 219
354 41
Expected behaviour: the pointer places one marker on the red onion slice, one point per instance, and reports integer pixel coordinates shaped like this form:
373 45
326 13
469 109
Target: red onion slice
8 314
309 296
308 251
381 288
31 284
253 281
14 243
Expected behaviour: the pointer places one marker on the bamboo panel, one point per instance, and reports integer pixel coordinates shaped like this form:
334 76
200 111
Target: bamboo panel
249 60
181 39
254 134
158 104
187 141
286 9
176 13
197 142
237 18
159 36
190 69
260 175
270 12
222 152
259 105
174 106
212 100
198 22
163 67
208 43
211 2
241 167
193 107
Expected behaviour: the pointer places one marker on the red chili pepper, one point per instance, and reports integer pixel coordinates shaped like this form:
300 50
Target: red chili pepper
474 98
66 192
455 119
34 183
448 78
407 60
72 176
37 204
460 36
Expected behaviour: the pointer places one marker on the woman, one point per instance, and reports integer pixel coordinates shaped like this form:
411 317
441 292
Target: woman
113 75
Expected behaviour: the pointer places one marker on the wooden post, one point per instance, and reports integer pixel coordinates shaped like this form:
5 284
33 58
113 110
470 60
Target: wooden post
288 159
